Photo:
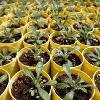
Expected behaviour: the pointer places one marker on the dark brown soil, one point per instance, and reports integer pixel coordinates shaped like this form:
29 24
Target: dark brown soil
16 37
27 58
93 41
97 80
22 85
32 40
79 95
73 58
13 55
62 40
3 85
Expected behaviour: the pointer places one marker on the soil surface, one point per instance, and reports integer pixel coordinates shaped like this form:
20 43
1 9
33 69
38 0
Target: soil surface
13 55
97 80
63 41
27 58
73 58
16 37
20 88
31 40
3 85
79 95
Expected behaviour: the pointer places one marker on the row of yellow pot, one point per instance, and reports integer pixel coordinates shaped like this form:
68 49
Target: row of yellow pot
7 94
85 65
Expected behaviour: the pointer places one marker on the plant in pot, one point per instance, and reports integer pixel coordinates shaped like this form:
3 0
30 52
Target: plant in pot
80 26
4 80
30 56
29 84
57 24
87 39
11 37
72 84
96 81
63 38
36 38
92 60
39 24
8 59
64 55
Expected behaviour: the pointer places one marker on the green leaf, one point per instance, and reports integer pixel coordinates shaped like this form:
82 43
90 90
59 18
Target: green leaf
82 89
39 68
39 42
5 51
28 72
62 85
69 96
51 82
67 70
43 94
3 78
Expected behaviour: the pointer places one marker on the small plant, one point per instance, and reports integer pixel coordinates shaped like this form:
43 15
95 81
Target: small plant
69 35
41 5
82 27
64 54
6 56
37 82
73 84
87 38
56 7
19 13
59 24
8 36
93 56
37 38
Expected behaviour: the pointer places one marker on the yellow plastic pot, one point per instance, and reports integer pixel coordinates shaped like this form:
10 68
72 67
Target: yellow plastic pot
21 65
53 44
97 93
17 44
5 95
87 67
27 35
84 76
20 73
83 46
11 67
55 68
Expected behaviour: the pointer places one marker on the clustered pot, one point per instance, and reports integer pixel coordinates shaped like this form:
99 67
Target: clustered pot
53 32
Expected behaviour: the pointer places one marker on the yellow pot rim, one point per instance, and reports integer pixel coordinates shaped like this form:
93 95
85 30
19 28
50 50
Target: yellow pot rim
55 34
27 35
75 53
23 50
18 74
85 50
54 78
14 59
